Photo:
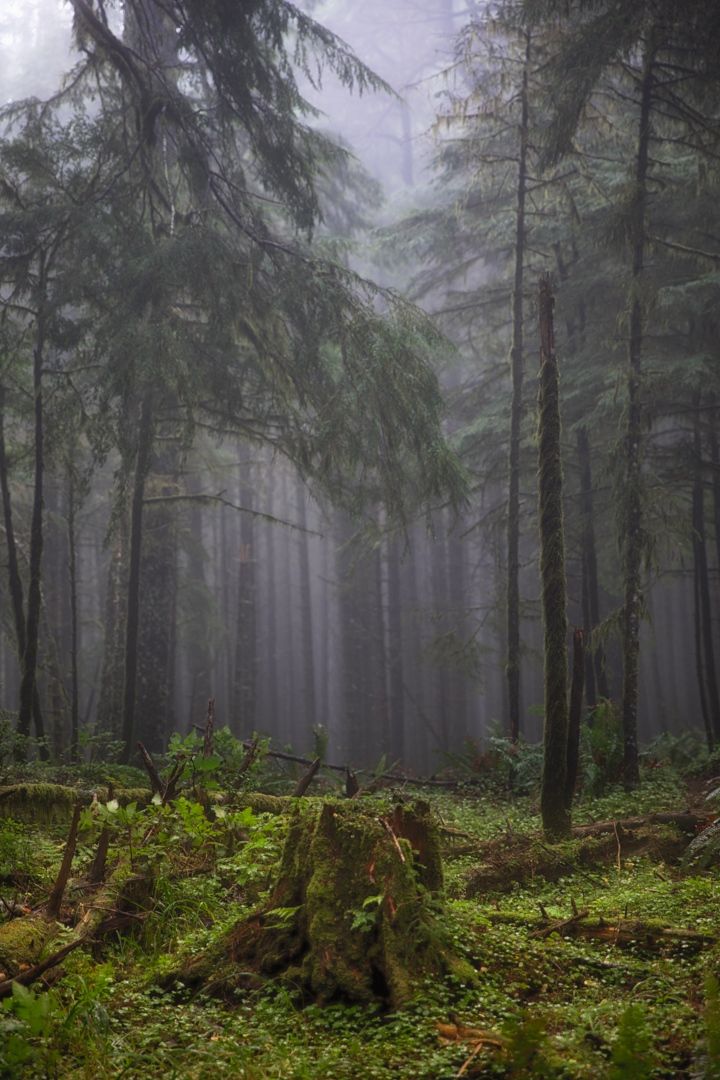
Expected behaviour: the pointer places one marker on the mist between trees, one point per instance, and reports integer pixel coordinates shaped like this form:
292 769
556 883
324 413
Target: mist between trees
233 466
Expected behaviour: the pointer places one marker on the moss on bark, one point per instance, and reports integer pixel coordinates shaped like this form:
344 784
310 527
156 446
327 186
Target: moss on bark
52 804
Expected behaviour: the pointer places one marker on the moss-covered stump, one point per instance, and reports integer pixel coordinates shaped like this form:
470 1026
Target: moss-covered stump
354 915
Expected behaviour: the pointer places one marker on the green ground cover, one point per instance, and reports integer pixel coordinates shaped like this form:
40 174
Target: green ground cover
540 1006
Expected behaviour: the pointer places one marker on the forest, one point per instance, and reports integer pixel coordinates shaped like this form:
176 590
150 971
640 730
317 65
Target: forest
360 539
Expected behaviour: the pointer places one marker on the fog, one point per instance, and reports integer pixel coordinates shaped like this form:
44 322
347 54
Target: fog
257 590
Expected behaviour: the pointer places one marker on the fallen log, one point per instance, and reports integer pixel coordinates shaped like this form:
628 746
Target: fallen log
685 820
648 932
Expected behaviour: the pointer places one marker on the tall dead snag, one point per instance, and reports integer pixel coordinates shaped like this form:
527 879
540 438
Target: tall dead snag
555 816
353 915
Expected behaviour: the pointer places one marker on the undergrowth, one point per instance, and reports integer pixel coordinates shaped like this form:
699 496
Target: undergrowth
556 1007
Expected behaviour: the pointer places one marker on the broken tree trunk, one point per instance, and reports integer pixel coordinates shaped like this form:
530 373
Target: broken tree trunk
353 915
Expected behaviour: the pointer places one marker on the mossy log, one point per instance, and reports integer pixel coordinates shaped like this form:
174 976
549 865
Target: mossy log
53 804
650 933
505 862
354 914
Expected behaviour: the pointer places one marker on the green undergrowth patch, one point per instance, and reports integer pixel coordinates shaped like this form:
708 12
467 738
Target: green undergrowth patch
558 1007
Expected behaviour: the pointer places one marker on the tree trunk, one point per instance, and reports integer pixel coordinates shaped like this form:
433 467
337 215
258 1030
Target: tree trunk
132 617
14 579
633 525
110 703
594 657
28 687
555 815
516 411
74 634
575 716
396 696
154 701
245 690
306 616
706 653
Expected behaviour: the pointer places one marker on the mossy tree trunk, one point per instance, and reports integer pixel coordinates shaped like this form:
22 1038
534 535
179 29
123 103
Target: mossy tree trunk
353 915
555 814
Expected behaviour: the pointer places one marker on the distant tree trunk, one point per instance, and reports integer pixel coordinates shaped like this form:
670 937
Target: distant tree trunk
555 815
395 654
14 579
132 617
196 656
110 702
516 411
72 571
596 676
28 688
306 619
246 637
575 716
633 530
706 665
715 463
440 604
154 713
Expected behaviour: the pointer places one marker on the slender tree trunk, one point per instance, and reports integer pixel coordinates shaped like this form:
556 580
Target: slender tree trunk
702 583
516 410
132 617
575 716
633 525
14 579
395 654
595 658
28 688
110 703
699 665
555 815
72 570
246 637
154 692
306 618
715 463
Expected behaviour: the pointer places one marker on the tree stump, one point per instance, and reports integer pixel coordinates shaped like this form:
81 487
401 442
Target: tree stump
354 914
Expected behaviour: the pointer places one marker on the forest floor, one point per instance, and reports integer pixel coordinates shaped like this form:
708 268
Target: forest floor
628 1001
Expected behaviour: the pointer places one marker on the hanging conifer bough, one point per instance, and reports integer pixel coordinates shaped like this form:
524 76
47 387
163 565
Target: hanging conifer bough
308 356
186 246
